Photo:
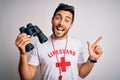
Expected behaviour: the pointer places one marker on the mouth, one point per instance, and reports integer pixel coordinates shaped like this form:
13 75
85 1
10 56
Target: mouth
60 29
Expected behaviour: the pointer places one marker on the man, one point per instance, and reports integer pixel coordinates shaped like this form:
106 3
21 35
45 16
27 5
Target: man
61 57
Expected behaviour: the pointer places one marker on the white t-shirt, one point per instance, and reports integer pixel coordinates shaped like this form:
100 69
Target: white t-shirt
43 55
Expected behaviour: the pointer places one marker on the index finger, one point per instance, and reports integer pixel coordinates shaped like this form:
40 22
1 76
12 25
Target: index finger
97 41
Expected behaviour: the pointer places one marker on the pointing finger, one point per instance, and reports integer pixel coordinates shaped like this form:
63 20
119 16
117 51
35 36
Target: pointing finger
97 41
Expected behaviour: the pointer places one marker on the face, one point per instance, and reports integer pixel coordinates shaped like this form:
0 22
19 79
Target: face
61 23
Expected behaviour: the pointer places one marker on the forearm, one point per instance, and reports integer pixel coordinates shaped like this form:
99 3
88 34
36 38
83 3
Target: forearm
85 69
24 69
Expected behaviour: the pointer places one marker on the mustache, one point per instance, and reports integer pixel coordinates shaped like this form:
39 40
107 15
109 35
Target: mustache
59 25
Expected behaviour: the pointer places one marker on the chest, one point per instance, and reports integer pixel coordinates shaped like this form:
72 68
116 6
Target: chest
60 56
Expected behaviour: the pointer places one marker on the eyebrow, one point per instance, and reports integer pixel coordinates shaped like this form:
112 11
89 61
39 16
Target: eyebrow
66 16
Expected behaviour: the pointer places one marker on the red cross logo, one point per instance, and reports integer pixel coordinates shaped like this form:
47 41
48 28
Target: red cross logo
63 64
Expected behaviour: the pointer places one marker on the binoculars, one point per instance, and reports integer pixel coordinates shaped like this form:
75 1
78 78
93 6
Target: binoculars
33 30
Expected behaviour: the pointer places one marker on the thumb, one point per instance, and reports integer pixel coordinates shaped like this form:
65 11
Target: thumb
89 45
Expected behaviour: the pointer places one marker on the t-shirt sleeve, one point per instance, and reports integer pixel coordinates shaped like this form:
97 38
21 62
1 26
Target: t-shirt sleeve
81 58
33 58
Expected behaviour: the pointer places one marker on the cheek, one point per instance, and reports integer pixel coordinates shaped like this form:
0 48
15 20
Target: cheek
69 26
55 22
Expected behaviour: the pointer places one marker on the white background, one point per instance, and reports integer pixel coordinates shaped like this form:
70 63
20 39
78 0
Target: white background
92 19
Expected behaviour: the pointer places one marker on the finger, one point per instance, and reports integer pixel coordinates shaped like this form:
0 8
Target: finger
96 47
97 41
21 46
22 34
19 37
25 39
22 39
24 42
98 50
89 45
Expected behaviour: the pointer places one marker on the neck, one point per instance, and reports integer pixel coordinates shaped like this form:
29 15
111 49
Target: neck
57 38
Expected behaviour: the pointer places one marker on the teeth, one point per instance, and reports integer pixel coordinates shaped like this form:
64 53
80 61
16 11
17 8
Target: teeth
60 28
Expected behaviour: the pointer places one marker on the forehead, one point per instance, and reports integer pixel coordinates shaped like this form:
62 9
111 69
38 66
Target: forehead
64 13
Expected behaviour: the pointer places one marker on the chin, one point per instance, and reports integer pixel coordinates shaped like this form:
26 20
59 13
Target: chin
60 36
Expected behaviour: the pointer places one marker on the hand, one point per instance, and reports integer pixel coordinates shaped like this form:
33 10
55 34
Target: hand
22 40
95 50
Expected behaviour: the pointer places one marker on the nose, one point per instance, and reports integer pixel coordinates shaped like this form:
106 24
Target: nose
62 22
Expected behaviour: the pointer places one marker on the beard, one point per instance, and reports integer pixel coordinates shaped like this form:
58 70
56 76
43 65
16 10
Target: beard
59 35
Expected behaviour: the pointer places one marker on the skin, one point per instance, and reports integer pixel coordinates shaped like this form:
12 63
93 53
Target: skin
61 24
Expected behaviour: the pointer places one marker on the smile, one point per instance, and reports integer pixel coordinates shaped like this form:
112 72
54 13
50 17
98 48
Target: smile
60 29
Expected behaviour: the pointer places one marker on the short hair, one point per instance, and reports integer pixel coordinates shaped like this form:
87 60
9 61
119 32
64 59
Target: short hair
65 7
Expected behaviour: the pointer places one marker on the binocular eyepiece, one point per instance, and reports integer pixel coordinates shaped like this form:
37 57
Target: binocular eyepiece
33 31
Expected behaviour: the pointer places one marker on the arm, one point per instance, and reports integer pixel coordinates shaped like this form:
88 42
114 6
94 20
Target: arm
26 71
85 69
94 54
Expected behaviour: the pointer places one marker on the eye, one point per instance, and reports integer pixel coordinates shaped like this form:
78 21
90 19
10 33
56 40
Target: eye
57 17
67 20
